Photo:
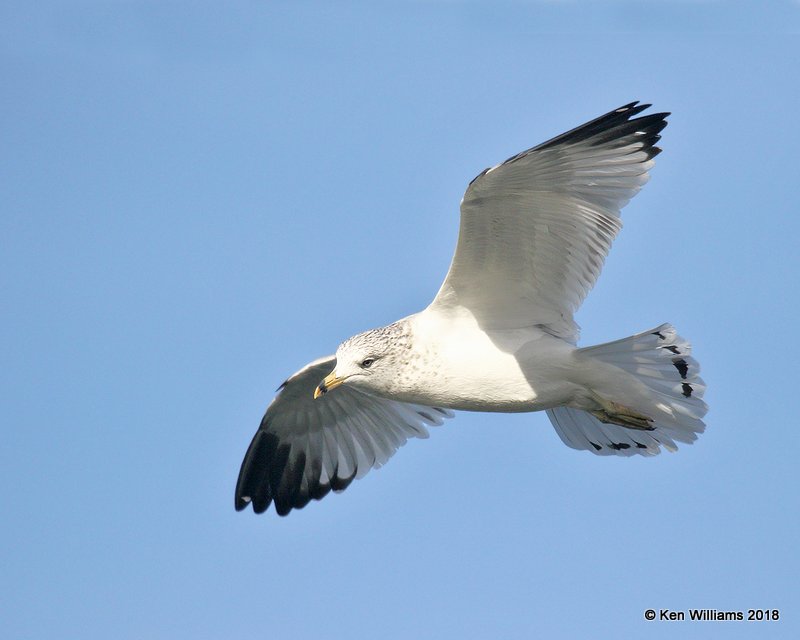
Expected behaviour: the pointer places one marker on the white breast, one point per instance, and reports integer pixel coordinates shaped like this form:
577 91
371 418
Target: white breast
470 369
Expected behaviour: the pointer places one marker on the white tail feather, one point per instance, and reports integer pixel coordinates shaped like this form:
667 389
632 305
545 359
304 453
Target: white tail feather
662 383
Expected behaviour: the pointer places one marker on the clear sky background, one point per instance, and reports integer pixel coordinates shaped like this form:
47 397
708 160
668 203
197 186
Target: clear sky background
198 198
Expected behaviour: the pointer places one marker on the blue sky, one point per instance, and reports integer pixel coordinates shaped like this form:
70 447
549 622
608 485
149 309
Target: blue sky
199 198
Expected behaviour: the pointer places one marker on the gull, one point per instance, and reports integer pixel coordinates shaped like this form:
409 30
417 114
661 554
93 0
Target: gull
499 336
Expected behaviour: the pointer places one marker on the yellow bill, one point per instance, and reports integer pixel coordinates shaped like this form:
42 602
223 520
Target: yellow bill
330 382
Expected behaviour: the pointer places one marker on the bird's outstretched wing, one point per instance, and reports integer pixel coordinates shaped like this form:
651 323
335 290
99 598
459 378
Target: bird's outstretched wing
535 230
306 447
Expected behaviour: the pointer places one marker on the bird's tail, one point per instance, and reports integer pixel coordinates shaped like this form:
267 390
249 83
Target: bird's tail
653 398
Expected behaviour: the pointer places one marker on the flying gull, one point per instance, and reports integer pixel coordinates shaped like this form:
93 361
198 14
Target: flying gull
498 336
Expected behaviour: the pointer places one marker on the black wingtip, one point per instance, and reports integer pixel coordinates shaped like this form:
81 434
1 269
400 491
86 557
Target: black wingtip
272 473
283 509
630 109
618 124
253 485
621 123
340 484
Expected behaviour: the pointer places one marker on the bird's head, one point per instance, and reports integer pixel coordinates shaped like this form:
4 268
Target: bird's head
368 361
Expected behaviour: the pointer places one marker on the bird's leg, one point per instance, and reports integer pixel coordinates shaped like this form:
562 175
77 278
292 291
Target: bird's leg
615 413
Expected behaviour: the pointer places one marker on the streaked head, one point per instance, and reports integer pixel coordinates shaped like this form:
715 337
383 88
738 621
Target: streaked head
369 360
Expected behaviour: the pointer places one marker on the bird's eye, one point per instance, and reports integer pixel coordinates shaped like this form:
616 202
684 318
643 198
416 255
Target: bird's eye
366 363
